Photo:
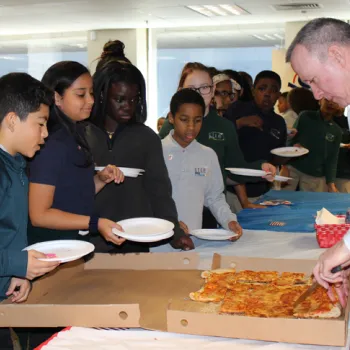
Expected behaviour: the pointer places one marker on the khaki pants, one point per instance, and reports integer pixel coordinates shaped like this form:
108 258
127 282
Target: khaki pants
343 185
306 182
234 202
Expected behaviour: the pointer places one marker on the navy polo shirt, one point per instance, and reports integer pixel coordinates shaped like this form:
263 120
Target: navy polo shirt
60 163
255 143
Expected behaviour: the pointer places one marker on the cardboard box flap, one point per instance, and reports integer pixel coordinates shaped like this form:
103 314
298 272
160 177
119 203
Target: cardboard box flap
97 293
190 317
324 332
258 264
144 261
50 315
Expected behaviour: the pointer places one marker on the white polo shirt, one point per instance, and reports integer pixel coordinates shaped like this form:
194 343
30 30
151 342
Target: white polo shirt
196 180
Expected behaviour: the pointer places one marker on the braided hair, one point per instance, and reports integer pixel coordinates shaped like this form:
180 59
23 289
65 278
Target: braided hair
114 67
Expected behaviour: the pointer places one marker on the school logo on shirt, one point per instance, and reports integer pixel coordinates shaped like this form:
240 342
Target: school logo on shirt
201 171
275 133
330 137
216 136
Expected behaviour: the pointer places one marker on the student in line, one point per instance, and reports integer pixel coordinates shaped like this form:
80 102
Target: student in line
194 169
259 129
226 91
62 182
216 132
317 170
24 111
285 110
160 123
342 182
117 135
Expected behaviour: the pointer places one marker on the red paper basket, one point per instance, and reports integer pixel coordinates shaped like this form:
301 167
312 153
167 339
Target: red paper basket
328 235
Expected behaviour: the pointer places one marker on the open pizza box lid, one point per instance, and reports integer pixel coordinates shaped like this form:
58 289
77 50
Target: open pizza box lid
131 290
189 317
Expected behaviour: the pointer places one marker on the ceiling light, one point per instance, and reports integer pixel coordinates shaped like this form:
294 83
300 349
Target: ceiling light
268 36
234 9
279 36
259 37
219 10
202 10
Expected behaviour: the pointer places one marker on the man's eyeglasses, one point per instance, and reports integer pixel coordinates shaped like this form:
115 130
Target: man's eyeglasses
203 90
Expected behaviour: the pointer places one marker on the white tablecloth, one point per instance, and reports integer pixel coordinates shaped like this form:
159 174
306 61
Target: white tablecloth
254 244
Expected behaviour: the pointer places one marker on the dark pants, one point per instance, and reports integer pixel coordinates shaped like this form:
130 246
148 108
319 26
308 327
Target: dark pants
30 338
5 339
209 220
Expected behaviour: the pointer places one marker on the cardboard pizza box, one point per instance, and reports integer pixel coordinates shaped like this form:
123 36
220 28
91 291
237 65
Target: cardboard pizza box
151 291
189 317
131 290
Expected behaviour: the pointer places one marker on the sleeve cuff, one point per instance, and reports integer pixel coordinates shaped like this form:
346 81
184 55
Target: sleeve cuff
18 262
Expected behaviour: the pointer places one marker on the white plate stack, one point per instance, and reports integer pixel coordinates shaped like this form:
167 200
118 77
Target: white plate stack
128 172
145 230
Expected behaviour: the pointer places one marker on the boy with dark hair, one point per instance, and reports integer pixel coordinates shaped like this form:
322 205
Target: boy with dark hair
259 129
317 170
285 111
194 169
24 110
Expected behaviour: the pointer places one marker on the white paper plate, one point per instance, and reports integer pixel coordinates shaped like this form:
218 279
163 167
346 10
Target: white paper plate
213 235
247 172
146 226
65 250
128 172
290 152
143 238
282 178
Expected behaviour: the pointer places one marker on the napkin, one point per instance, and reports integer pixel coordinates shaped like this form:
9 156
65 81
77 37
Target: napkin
324 217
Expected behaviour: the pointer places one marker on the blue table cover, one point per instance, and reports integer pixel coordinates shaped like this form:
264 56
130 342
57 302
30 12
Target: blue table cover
298 217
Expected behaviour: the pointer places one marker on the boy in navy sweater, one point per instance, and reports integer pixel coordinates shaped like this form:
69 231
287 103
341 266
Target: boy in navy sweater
24 110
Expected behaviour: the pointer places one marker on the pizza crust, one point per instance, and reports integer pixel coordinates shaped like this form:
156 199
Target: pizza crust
208 273
334 312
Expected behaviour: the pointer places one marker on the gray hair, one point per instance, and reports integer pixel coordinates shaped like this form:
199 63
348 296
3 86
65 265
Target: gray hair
317 35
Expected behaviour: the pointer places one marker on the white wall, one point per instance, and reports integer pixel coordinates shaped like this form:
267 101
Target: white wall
171 61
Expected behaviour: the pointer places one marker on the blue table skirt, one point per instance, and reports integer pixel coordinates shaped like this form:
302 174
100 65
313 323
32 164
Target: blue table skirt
298 217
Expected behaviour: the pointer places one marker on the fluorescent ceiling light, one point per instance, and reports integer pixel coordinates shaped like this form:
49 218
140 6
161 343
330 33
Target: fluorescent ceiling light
202 10
218 10
234 9
268 36
259 37
279 36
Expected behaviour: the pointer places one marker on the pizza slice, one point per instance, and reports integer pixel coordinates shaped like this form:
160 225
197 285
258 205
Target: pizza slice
210 292
293 278
233 303
317 305
248 276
